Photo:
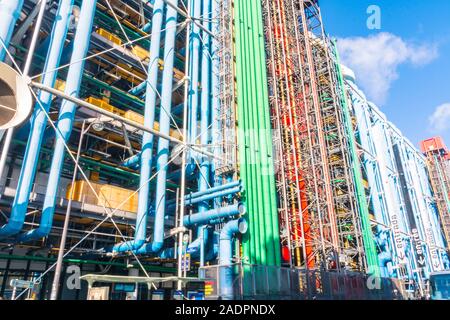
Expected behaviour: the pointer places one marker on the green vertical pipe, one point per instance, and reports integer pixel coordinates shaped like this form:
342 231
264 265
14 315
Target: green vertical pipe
368 240
268 153
257 143
249 244
253 181
258 239
248 247
260 110
261 245
252 107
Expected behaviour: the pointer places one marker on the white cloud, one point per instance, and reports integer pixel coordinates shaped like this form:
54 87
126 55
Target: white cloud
376 58
439 121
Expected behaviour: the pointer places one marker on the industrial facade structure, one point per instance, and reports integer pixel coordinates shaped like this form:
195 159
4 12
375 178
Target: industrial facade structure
215 147
402 207
438 163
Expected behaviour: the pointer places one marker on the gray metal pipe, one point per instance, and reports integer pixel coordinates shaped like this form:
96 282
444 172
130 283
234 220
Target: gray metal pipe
114 116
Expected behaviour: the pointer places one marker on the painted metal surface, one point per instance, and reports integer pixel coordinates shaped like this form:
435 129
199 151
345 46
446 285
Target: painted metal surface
205 107
65 120
38 122
205 217
9 13
147 145
369 243
226 254
261 245
162 156
402 204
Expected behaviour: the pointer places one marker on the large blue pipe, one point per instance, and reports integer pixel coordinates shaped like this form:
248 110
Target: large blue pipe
38 122
147 27
138 89
215 192
147 140
205 104
374 137
65 119
372 169
9 13
215 81
132 161
176 175
168 253
384 260
194 72
164 121
385 256
207 197
218 194
211 250
226 254
230 186
205 217
203 179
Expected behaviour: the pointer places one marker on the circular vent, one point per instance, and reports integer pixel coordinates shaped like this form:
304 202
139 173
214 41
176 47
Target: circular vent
15 98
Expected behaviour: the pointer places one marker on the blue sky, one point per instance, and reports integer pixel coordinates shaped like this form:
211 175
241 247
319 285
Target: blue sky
404 66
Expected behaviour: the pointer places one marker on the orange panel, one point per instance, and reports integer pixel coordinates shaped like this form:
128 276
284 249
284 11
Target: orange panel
435 143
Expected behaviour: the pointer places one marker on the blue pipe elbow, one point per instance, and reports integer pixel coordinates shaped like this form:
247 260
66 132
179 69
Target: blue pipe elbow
153 247
128 246
138 89
147 27
132 161
65 119
229 230
14 225
194 248
226 272
42 231
384 259
168 253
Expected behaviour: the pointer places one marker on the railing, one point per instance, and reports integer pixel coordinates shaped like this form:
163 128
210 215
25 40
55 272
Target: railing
256 282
